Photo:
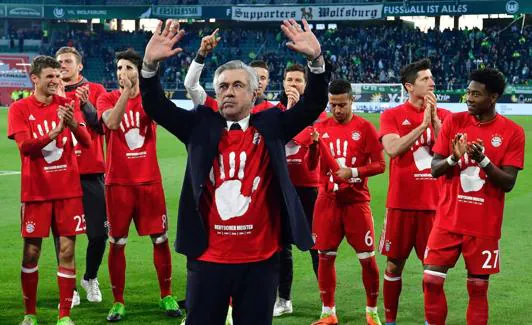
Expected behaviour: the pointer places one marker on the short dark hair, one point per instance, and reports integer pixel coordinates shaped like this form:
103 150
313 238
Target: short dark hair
492 79
295 67
41 62
69 49
258 64
339 87
409 72
130 55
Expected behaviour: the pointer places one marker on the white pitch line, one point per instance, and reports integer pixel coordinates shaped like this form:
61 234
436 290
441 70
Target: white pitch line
8 172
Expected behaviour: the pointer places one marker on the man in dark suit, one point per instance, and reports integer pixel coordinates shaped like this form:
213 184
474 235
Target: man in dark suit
237 206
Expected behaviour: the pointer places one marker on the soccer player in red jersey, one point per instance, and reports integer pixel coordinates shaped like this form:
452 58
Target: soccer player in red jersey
133 183
91 166
43 126
302 158
198 94
477 156
343 210
407 133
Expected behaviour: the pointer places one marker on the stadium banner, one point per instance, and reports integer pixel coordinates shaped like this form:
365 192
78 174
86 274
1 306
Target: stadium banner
98 12
14 76
311 13
23 11
176 12
431 8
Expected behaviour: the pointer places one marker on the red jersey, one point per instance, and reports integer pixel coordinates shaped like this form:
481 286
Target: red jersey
353 145
470 204
131 151
53 173
411 185
243 224
302 164
90 160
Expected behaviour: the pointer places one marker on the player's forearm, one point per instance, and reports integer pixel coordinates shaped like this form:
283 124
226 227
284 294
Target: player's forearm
436 125
376 167
440 165
397 147
29 146
505 180
113 117
312 156
91 117
192 85
82 134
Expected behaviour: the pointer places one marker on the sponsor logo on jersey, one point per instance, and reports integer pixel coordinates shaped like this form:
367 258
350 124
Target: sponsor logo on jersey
32 118
406 122
355 136
325 135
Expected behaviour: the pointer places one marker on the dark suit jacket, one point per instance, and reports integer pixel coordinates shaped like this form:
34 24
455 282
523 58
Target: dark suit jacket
200 130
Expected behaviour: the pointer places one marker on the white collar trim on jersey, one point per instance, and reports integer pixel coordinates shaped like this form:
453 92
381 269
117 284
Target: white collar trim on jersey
244 123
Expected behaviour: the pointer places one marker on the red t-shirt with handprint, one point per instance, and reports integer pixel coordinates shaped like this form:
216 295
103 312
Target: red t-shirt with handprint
53 172
470 203
90 160
240 203
131 151
352 145
410 172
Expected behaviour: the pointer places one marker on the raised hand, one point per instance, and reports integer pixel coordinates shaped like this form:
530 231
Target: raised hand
66 114
293 96
427 117
161 44
301 41
459 145
208 43
128 80
82 93
475 150
315 136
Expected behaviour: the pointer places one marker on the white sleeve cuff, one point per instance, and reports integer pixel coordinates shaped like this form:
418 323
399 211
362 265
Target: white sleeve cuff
316 70
148 74
354 172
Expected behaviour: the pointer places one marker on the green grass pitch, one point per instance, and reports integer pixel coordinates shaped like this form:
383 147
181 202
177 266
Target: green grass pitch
510 291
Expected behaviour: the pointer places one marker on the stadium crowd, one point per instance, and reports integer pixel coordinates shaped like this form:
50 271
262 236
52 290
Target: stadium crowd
361 54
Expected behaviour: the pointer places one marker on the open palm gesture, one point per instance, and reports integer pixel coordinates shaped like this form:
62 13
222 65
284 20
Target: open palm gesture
301 41
161 44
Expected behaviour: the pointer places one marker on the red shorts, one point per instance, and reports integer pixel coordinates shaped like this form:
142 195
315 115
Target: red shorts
481 255
144 203
404 230
333 220
64 216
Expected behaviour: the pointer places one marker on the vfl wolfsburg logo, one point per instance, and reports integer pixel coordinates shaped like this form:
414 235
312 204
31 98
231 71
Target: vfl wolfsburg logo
59 12
512 7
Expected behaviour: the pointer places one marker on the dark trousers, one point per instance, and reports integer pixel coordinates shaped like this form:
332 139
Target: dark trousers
250 285
308 196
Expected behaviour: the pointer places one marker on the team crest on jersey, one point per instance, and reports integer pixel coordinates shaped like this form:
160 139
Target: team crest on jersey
30 227
496 140
355 136
256 138
387 245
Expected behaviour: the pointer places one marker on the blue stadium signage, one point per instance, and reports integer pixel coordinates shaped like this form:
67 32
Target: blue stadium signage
176 12
312 13
454 9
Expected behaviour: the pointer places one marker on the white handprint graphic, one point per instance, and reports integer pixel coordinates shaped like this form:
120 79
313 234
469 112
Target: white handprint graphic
291 148
134 138
230 202
51 152
470 177
422 156
340 155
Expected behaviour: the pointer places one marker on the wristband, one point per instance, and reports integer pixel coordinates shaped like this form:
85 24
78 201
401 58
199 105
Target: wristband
199 58
150 67
451 161
354 172
484 162
314 59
